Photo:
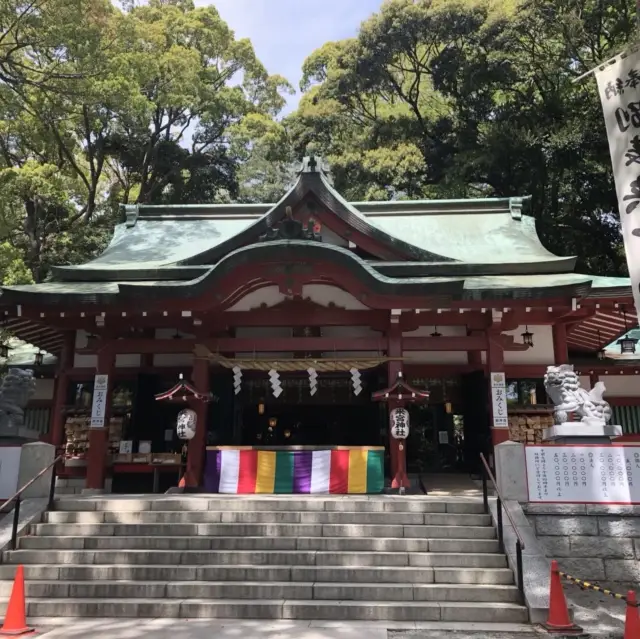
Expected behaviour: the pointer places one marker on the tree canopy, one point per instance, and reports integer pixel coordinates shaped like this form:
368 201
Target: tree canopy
159 102
435 98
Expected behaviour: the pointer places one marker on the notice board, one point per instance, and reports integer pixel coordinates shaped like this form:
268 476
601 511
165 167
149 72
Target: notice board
585 474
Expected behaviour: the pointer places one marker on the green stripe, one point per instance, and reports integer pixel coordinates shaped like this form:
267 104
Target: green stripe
375 471
284 472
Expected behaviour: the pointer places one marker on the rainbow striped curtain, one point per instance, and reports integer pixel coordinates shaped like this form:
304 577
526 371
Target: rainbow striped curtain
253 471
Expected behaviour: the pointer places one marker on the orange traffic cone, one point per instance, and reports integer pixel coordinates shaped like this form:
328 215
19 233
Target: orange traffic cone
15 620
632 619
559 621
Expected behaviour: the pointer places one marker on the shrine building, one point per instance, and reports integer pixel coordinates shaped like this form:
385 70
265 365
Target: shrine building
300 327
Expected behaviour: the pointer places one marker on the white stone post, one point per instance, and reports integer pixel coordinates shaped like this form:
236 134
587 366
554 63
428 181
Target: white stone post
34 458
511 473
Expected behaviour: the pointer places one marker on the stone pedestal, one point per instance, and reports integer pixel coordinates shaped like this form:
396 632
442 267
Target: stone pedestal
581 433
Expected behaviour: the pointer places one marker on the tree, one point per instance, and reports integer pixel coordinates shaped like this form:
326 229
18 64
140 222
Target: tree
441 99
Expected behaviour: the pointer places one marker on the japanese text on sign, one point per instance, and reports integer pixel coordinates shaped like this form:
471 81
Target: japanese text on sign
619 87
584 474
499 400
98 408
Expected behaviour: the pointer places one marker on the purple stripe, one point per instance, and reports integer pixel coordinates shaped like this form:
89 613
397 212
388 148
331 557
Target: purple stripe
302 471
212 471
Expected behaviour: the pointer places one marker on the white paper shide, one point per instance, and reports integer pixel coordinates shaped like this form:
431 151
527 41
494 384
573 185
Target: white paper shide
499 400
619 88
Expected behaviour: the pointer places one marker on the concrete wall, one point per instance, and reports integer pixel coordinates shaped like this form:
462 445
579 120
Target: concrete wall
591 542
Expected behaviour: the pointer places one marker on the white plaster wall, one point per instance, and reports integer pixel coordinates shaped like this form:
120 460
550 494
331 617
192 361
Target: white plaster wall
83 361
621 385
173 359
436 357
329 237
585 381
324 294
44 389
269 295
127 361
542 351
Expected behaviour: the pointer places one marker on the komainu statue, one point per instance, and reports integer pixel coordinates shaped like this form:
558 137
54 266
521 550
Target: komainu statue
16 388
563 389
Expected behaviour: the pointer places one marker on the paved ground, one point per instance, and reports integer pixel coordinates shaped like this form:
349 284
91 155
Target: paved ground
207 628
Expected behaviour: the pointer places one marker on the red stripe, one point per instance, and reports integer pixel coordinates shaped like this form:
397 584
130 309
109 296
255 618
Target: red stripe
339 477
247 472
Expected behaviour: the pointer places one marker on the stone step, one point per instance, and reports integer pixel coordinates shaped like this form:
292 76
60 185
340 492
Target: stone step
261 590
480 612
464 550
276 517
267 530
243 558
234 503
332 574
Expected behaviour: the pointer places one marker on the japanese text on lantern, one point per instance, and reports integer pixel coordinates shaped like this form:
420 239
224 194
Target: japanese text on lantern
99 406
619 86
499 400
583 474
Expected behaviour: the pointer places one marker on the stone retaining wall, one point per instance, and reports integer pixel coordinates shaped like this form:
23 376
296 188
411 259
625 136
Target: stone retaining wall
600 543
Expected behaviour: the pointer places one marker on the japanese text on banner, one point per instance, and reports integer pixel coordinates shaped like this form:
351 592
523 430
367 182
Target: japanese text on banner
499 400
98 408
619 87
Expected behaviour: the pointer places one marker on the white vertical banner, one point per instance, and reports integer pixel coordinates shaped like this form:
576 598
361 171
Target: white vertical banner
619 88
99 406
499 400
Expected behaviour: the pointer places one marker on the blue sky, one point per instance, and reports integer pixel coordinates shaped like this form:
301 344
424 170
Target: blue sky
285 32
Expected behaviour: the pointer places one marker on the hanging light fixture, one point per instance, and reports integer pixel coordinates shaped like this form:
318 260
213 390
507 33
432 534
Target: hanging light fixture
527 337
39 358
4 351
627 344
435 332
261 407
177 335
602 354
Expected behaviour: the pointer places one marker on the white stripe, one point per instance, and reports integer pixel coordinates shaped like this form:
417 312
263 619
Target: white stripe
229 471
320 471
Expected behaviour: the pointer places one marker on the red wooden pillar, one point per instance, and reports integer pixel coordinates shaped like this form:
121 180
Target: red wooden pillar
397 448
61 390
197 446
495 364
99 437
560 349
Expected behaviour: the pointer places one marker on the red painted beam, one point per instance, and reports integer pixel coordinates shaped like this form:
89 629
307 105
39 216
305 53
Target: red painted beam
290 344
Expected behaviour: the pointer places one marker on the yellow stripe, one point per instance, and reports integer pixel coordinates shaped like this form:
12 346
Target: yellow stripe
266 475
357 471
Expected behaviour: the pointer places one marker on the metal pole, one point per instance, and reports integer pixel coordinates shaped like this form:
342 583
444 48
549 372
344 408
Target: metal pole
519 568
52 488
156 480
500 530
14 529
485 488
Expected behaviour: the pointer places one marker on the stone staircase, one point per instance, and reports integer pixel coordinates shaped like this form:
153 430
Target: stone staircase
333 558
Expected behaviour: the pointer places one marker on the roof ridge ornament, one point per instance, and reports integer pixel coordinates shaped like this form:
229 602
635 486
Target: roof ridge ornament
516 204
290 229
316 164
129 214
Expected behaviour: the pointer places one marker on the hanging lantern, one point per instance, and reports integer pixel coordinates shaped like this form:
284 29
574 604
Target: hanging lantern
261 408
186 424
4 351
527 337
399 423
39 359
448 408
627 343
436 333
602 354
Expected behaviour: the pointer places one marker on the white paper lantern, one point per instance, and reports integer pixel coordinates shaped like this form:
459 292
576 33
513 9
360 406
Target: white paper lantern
186 424
399 423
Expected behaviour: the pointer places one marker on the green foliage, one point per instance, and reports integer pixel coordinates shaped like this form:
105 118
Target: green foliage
471 98
99 104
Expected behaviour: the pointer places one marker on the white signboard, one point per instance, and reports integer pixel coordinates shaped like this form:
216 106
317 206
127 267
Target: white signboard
499 400
587 474
619 88
99 406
